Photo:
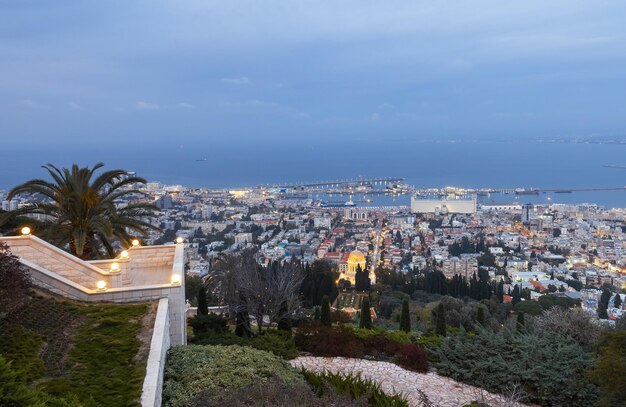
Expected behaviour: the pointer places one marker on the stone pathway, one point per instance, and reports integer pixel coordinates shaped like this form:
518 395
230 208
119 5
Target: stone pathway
440 390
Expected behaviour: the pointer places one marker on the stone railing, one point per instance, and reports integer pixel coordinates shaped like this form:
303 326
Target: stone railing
159 345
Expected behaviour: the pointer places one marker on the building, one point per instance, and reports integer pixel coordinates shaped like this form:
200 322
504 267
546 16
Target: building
243 238
355 214
349 264
443 206
527 213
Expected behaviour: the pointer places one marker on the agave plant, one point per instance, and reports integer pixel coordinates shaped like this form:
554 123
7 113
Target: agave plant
78 210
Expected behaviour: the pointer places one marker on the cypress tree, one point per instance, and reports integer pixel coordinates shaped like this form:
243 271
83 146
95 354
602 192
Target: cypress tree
325 314
405 317
516 295
480 316
203 309
366 316
603 304
440 326
520 321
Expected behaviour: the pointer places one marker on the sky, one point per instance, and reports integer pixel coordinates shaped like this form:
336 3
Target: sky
127 74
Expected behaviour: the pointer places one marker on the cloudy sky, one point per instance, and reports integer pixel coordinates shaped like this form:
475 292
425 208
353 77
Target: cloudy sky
217 72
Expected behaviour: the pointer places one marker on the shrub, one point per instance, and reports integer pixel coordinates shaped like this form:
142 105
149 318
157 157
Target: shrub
321 340
378 345
609 371
412 357
274 392
552 369
203 324
15 282
192 369
528 307
356 386
340 316
280 343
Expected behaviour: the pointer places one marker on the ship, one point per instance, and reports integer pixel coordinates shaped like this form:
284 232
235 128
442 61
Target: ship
522 191
338 204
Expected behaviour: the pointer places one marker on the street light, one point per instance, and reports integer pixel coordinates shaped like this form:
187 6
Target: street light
135 242
25 231
115 267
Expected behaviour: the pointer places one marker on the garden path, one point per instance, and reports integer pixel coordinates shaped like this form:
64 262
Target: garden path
440 390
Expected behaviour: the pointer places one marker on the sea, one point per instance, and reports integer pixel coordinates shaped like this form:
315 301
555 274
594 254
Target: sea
423 163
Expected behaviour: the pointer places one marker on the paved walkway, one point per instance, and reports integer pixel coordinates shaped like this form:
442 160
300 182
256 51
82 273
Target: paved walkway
440 390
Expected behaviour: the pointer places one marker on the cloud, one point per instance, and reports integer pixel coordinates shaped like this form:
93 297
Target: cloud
74 106
31 104
146 106
237 81
184 105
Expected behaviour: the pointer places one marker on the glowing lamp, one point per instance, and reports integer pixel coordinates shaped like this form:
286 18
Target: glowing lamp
135 242
115 267
101 285
179 240
124 254
25 230
175 279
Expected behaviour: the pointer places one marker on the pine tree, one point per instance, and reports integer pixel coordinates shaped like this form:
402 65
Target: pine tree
516 295
325 314
520 321
440 326
203 309
405 317
366 316
480 316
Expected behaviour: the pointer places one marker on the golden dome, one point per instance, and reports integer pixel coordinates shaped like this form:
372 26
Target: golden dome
356 257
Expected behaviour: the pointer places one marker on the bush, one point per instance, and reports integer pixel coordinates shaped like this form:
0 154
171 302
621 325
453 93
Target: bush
609 371
412 357
528 307
357 387
341 316
193 369
552 368
321 340
280 343
210 323
378 345
275 392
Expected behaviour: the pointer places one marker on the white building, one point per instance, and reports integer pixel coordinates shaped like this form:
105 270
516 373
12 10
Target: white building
243 238
443 206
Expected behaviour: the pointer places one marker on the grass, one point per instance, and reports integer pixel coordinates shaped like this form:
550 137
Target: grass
67 348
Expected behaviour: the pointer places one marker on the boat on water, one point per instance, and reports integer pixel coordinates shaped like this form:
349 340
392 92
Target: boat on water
522 191
339 204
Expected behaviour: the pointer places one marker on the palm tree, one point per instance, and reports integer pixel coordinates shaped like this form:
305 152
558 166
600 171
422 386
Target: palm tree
80 214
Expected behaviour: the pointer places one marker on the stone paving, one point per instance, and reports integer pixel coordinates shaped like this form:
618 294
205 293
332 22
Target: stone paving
440 390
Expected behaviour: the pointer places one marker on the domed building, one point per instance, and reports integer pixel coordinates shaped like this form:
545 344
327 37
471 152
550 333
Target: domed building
350 263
